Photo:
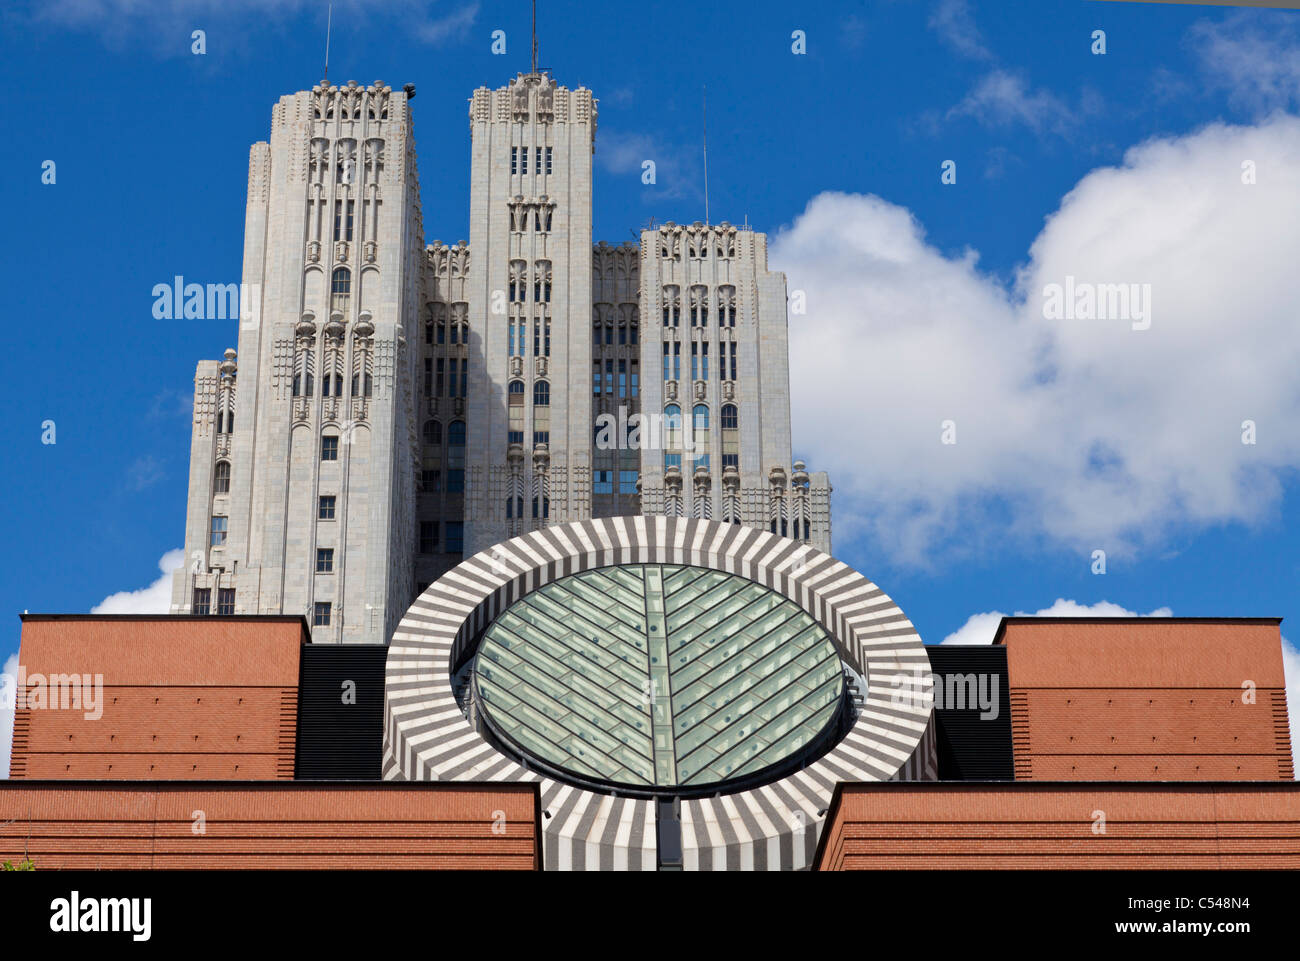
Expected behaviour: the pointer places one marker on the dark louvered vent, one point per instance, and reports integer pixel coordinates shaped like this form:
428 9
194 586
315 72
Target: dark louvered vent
338 740
972 747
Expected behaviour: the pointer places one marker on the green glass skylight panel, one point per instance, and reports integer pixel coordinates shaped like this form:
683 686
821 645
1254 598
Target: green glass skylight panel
658 677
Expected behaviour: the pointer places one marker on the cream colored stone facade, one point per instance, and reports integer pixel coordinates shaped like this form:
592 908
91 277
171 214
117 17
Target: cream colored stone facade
393 407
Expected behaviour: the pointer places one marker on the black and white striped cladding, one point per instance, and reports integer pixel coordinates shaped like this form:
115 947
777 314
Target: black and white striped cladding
771 827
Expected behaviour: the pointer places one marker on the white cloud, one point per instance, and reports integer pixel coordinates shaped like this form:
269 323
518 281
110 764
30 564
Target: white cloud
8 694
953 21
165 25
980 628
154 599
145 472
622 153
677 170
454 25
1252 56
1084 434
1003 99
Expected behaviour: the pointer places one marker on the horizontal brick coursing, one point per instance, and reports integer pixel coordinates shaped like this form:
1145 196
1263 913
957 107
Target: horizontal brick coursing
1154 699
182 699
301 825
233 651
1009 826
1149 652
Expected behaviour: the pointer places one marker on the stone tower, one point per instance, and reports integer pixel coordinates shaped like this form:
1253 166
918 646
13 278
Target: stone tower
528 461
716 362
393 408
302 475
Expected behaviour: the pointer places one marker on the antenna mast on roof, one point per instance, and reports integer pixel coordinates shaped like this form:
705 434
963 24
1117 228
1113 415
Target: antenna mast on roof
534 36
329 21
706 155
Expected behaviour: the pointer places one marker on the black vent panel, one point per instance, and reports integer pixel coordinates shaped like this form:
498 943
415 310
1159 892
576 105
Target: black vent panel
341 712
972 712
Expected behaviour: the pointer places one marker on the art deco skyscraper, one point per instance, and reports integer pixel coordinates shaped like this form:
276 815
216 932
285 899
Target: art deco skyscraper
529 403
715 360
302 484
393 408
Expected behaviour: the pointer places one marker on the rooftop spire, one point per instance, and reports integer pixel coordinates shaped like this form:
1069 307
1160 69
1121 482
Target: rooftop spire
329 21
704 95
534 70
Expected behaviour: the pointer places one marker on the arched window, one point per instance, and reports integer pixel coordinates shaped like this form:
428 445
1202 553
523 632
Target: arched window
672 427
700 435
699 306
730 437
541 508
303 385
363 382
542 394
672 305
518 280
340 288
727 306
542 282
456 457
514 508
515 433
221 480
433 433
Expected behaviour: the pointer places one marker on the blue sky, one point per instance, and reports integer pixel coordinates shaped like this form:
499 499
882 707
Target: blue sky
1069 441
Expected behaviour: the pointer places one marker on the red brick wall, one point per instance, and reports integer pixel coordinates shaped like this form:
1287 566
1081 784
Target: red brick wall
283 825
183 698
1003 826
1147 699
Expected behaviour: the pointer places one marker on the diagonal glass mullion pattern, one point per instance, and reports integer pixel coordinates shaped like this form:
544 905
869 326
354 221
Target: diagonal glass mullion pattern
658 675
544 638
730 751
712 679
559 697
540 728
